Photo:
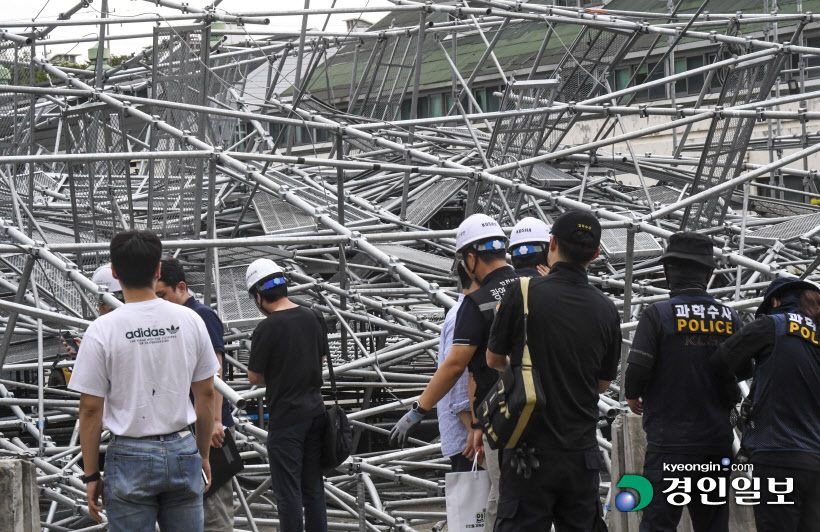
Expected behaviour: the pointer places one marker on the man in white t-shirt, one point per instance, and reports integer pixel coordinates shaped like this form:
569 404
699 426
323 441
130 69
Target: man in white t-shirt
134 369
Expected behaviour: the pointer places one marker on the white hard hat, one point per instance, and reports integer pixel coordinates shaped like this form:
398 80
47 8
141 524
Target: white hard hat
529 231
103 276
480 228
261 269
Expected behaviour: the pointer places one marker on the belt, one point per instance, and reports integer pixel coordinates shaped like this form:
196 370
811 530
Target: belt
178 435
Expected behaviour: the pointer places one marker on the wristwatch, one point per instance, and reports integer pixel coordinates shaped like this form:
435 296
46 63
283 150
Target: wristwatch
417 407
476 426
90 478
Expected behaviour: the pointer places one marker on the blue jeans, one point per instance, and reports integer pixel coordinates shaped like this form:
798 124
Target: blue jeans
153 480
294 453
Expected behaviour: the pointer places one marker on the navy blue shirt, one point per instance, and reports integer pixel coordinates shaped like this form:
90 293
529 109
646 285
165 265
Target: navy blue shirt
215 329
470 328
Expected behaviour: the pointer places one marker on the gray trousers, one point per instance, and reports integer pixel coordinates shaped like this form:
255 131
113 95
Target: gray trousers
494 469
219 507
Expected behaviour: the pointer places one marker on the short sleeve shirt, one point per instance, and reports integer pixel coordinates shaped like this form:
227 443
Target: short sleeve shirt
215 332
469 326
142 360
287 348
574 338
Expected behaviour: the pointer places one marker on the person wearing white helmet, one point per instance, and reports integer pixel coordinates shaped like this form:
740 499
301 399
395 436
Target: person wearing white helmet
287 349
481 243
529 247
104 277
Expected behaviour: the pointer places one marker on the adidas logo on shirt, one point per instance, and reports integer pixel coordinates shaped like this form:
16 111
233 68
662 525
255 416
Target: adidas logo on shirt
148 332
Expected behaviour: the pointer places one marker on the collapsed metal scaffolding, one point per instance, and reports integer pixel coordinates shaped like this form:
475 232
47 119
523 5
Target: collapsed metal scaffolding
358 196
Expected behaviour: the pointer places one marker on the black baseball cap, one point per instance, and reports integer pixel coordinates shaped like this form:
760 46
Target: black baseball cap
694 247
579 227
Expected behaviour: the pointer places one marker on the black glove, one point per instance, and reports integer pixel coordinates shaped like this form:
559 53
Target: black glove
407 424
524 461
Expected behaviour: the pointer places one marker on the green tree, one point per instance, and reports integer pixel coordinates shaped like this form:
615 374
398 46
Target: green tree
116 60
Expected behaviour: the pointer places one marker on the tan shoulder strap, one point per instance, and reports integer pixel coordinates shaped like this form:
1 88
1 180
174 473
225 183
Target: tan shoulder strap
525 289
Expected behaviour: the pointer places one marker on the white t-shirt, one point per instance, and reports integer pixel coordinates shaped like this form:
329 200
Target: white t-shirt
142 358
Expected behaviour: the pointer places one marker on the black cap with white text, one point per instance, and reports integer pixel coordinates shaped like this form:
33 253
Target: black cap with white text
578 227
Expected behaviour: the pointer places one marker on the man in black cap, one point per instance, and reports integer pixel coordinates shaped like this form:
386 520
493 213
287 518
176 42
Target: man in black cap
781 429
685 409
574 337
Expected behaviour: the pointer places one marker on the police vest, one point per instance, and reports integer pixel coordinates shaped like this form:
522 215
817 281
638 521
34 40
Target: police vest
682 403
786 411
487 298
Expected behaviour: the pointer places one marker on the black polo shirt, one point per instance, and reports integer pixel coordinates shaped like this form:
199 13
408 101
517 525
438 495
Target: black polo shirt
574 336
472 329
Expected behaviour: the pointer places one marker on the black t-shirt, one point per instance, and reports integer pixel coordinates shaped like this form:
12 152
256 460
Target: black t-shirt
574 337
287 348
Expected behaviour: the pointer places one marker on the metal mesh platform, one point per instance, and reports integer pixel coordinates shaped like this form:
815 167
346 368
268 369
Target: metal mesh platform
277 215
546 175
613 244
60 292
429 202
235 307
660 194
785 231
727 142
421 259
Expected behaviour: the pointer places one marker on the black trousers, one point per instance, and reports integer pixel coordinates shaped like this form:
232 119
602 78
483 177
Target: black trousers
295 453
803 515
563 491
661 516
460 464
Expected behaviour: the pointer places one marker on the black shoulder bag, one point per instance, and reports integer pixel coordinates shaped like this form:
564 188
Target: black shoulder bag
338 438
505 413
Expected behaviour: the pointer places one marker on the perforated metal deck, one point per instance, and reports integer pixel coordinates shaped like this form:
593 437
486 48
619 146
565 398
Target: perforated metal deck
613 244
429 202
785 231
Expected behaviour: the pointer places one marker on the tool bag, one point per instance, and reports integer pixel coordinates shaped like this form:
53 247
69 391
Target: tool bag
226 463
337 443
506 411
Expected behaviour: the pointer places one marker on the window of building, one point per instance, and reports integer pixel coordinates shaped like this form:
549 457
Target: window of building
692 84
424 107
494 102
480 96
436 105
641 77
812 60
448 102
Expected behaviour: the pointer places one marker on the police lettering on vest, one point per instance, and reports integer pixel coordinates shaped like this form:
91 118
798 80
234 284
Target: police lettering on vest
777 422
803 327
701 319
693 325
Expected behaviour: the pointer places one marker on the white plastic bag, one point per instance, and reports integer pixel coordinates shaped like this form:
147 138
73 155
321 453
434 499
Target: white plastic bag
467 499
